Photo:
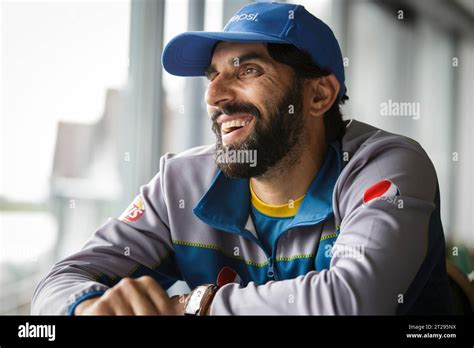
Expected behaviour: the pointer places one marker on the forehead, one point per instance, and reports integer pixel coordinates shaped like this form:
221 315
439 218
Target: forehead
225 50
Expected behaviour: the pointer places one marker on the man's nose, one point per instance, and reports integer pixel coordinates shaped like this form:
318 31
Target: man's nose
219 92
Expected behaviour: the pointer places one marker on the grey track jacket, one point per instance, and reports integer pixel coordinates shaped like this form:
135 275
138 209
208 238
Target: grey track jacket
368 240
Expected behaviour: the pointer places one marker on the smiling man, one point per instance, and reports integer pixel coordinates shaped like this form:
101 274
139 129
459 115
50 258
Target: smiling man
292 211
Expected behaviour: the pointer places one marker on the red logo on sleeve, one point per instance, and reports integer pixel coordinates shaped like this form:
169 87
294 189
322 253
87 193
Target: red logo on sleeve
134 210
227 275
384 188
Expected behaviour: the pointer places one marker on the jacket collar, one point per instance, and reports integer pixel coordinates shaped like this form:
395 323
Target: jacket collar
226 204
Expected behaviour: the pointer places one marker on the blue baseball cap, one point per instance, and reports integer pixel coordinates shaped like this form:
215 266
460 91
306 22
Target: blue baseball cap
190 53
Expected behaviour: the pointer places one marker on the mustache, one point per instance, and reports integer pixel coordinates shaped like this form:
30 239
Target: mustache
236 108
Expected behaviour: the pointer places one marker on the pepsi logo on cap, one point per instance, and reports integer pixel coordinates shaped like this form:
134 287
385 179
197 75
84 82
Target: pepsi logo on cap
384 188
227 275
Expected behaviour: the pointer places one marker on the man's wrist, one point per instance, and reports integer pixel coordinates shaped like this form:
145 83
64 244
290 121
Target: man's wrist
84 305
179 302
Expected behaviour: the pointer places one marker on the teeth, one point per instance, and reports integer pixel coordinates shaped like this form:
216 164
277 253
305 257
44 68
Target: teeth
234 123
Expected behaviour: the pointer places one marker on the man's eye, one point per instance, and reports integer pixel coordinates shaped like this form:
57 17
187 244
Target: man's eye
211 77
248 71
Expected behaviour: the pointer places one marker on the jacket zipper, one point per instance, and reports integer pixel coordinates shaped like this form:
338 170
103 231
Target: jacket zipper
271 271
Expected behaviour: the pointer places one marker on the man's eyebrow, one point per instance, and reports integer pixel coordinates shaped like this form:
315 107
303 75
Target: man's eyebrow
236 61
247 56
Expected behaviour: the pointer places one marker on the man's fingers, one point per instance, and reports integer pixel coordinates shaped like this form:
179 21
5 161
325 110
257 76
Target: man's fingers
142 296
137 297
157 294
118 302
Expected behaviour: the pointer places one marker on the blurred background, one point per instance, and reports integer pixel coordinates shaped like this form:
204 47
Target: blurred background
87 110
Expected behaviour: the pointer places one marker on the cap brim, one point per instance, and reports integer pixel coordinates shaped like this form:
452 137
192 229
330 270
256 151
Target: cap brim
189 54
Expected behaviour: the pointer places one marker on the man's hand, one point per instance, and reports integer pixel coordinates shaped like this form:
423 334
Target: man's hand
141 296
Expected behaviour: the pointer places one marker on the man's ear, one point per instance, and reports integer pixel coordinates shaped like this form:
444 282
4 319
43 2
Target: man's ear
324 91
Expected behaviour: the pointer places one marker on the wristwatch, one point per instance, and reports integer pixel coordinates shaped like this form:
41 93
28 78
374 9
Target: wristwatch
200 299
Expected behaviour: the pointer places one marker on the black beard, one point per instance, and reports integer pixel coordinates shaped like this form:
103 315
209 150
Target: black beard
275 141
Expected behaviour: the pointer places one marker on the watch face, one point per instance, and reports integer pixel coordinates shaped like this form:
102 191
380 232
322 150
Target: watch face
195 301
